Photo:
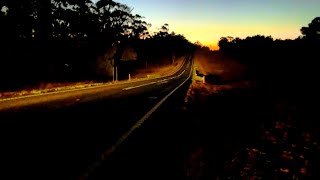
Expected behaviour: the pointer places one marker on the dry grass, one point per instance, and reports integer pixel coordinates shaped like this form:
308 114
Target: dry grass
158 71
48 87
214 63
52 87
227 73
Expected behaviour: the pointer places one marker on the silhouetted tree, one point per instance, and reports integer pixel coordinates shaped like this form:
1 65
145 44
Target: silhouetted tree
313 30
279 64
59 40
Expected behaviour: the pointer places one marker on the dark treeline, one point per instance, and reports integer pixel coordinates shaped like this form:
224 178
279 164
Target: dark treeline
289 66
75 40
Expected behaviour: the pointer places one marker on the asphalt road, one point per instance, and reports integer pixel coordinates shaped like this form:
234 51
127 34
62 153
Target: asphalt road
79 134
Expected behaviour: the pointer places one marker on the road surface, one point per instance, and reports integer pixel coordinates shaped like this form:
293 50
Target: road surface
69 135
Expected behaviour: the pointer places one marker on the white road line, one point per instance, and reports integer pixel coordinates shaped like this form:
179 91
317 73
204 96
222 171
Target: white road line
133 87
163 82
134 127
181 73
160 82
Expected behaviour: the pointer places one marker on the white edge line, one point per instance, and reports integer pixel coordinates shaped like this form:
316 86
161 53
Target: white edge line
181 73
163 80
134 127
80 89
133 87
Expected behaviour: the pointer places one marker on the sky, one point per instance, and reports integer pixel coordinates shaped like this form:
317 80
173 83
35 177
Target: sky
208 20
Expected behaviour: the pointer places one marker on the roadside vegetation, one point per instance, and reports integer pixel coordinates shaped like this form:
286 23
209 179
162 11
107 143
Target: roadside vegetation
254 115
66 41
214 72
137 74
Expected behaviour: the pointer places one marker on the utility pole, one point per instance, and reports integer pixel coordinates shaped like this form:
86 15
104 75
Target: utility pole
116 73
173 58
116 59
113 73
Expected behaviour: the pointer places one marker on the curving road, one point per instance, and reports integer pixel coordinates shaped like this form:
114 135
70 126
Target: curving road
69 134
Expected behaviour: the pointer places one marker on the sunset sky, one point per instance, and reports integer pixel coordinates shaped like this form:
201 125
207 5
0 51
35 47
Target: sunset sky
208 20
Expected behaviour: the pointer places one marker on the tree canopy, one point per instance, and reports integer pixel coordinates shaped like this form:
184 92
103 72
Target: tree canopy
56 40
313 30
285 63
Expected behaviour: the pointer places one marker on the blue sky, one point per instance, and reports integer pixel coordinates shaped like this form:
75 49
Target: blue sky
208 20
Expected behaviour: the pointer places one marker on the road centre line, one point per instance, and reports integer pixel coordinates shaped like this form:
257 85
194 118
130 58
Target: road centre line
161 81
133 87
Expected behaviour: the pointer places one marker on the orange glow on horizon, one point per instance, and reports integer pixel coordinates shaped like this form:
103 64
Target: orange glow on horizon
210 34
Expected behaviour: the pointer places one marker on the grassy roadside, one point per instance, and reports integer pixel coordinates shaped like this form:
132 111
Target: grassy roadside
240 131
218 108
152 72
214 74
